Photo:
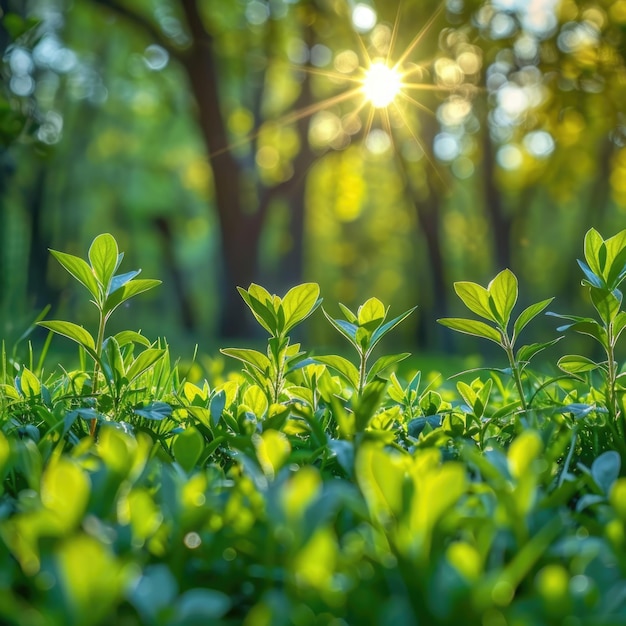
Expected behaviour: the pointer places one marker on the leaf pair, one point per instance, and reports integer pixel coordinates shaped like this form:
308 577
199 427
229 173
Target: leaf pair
364 330
98 276
495 304
279 315
605 266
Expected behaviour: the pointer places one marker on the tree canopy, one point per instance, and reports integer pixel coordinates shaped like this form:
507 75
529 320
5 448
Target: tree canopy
269 141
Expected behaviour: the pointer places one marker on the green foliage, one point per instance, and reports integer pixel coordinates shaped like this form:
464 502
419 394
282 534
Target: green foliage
604 270
305 489
495 304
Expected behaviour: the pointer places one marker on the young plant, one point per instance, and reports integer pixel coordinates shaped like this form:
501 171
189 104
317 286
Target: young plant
364 330
278 316
495 304
108 290
604 269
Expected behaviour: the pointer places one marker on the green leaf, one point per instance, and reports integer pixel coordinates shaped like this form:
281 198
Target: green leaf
188 447
475 298
114 363
472 327
347 329
575 364
343 367
371 312
130 336
103 255
348 314
526 353
256 400
300 302
72 331
127 291
529 314
619 323
384 362
254 358
503 294
31 387
595 251
607 303
380 332
79 269
263 313
615 257
143 363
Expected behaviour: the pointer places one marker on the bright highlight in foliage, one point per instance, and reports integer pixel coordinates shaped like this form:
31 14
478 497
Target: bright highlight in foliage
381 84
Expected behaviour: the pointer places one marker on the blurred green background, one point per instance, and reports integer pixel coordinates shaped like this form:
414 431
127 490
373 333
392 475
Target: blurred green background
229 141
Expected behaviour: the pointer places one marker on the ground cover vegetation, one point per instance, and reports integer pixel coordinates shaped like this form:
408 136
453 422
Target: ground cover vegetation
311 488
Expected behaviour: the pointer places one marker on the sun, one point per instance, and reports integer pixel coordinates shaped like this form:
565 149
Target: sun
381 84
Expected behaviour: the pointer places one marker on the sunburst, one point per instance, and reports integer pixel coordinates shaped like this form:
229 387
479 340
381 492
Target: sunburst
376 85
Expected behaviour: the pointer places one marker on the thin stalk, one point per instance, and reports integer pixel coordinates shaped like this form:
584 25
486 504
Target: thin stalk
96 367
611 399
515 370
362 373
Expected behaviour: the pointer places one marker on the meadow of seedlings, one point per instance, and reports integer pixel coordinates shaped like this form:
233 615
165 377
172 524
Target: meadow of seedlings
312 489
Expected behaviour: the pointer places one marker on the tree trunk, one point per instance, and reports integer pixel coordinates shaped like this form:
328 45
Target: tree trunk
240 231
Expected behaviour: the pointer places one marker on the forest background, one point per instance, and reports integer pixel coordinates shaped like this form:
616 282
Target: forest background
226 142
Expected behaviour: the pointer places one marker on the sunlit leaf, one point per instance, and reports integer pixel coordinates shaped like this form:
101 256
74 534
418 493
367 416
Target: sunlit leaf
380 332
300 302
127 291
503 292
143 362
529 314
272 450
343 367
575 364
385 362
472 327
475 298
72 331
254 358
595 251
79 269
103 255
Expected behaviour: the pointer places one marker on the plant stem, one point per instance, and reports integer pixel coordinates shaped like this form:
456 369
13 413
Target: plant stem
96 367
515 370
362 372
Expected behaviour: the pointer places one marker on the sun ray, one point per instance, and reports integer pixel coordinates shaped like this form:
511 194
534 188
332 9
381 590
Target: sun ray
394 33
420 35
374 84
417 140
369 122
416 103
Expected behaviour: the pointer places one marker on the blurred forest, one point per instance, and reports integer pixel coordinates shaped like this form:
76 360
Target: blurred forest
229 141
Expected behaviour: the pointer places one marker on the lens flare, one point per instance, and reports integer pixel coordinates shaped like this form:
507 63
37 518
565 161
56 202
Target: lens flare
381 84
